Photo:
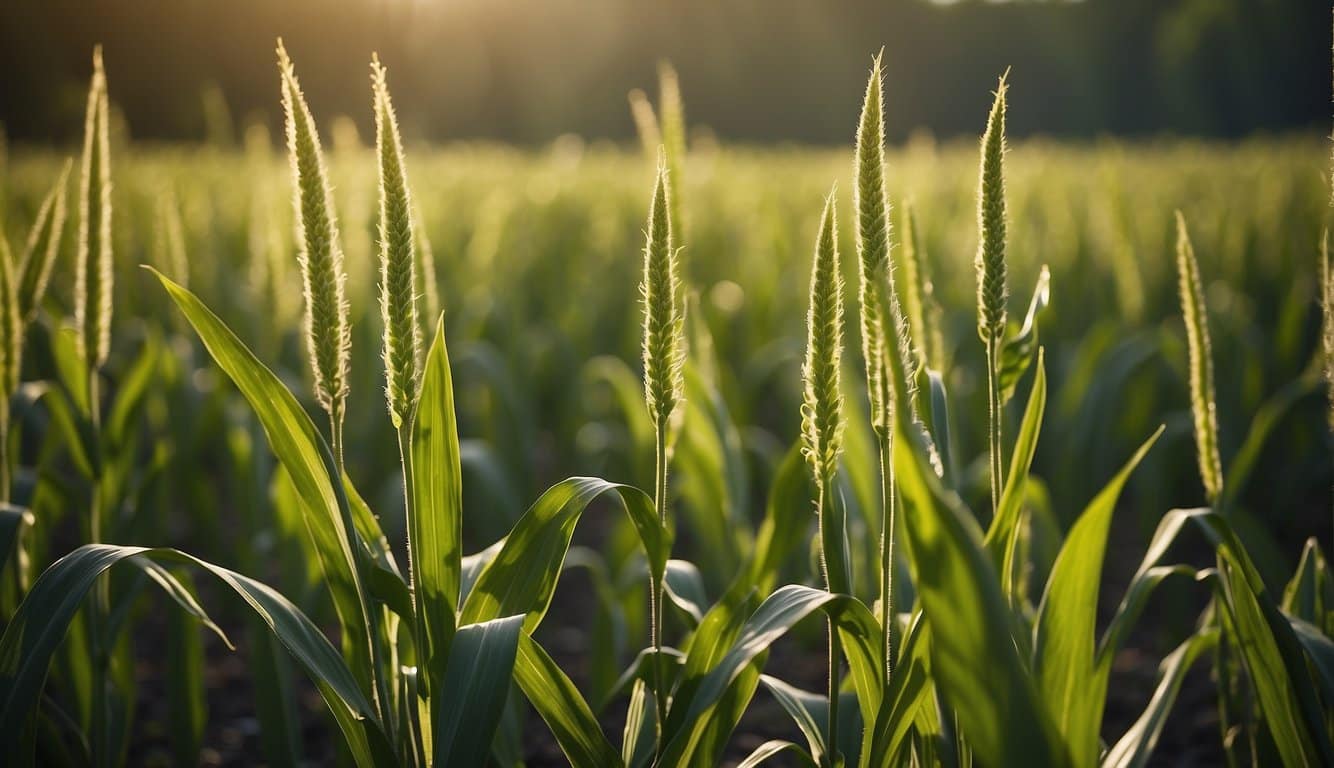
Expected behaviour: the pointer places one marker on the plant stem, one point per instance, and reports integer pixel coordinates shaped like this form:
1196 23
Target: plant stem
101 604
424 683
887 546
655 589
994 434
830 537
371 613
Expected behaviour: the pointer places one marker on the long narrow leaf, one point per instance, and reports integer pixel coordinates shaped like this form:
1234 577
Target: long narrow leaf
973 652
477 678
1064 637
43 618
436 526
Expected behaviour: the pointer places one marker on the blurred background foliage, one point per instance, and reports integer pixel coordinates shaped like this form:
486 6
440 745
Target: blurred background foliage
754 70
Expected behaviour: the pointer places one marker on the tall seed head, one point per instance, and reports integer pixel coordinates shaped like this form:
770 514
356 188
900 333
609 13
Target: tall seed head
398 259
321 256
672 116
646 122
822 407
990 262
664 343
872 239
11 327
93 276
1201 364
39 256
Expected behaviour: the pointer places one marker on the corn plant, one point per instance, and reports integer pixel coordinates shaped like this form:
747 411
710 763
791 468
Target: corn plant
988 652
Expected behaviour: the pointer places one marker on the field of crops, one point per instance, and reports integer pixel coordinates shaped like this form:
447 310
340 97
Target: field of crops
1098 425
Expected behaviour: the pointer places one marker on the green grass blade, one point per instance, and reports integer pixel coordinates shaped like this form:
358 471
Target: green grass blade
436 527
561 706
481 663
1064 637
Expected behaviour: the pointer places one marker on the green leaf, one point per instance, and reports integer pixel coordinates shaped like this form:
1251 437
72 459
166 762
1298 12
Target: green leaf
435 529
559 704
974 658
1310 594
1064 636
777 747
1270 649
477 677
1001 534
41 621
1017 352
807 710
310 465
783 609
522 576
1134 748
907 690
685 588
1320 649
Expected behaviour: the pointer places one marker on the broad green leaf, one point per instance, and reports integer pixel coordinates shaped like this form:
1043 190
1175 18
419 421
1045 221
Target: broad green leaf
1136 746
38 627
1064 637
559 704
974 658
435 528
777 747
1017 352
522 576
476 682
310 465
